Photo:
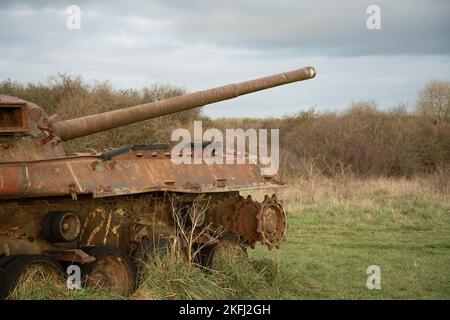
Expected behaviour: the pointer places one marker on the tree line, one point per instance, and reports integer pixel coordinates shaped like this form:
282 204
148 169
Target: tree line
361 140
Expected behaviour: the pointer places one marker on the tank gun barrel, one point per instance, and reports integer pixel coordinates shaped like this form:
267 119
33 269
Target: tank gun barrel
79 127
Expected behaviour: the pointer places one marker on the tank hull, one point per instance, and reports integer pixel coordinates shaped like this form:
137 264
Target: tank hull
130 173
110 193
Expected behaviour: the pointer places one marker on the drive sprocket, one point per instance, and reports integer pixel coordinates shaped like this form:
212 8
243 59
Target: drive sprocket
271 222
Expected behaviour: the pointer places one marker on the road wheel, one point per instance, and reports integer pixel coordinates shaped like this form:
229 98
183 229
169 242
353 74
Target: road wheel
61 226
21 273
113 269
229 248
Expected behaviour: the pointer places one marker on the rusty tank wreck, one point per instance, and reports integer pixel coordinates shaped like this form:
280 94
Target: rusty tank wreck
105 211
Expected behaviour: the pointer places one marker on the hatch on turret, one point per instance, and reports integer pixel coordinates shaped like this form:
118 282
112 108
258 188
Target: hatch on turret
13 118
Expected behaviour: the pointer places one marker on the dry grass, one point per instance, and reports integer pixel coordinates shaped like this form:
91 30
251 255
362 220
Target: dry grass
300 194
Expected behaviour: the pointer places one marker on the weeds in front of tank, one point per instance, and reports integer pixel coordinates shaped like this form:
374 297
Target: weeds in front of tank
190 226
189 234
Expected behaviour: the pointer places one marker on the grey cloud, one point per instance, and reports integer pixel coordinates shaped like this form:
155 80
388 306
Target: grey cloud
327 27
199 44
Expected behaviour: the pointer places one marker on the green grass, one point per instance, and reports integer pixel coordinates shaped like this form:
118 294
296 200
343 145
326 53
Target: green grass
331 242
336 230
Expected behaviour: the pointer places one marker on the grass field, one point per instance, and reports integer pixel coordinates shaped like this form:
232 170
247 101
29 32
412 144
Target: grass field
337 228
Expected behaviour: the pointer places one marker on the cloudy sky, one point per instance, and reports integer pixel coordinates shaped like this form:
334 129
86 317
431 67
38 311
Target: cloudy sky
199 44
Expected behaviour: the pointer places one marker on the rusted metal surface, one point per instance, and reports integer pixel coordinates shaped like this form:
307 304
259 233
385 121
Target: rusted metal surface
271 222
26 119
71 255
70 129
250 220
90 175
27 148
120 221
19 142
13 118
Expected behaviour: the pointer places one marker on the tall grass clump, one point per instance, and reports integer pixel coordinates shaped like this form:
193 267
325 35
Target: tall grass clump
170 277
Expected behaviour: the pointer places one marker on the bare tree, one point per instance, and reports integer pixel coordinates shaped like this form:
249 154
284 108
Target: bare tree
434 101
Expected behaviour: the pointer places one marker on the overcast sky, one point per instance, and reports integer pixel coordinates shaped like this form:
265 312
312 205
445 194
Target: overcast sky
199 44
